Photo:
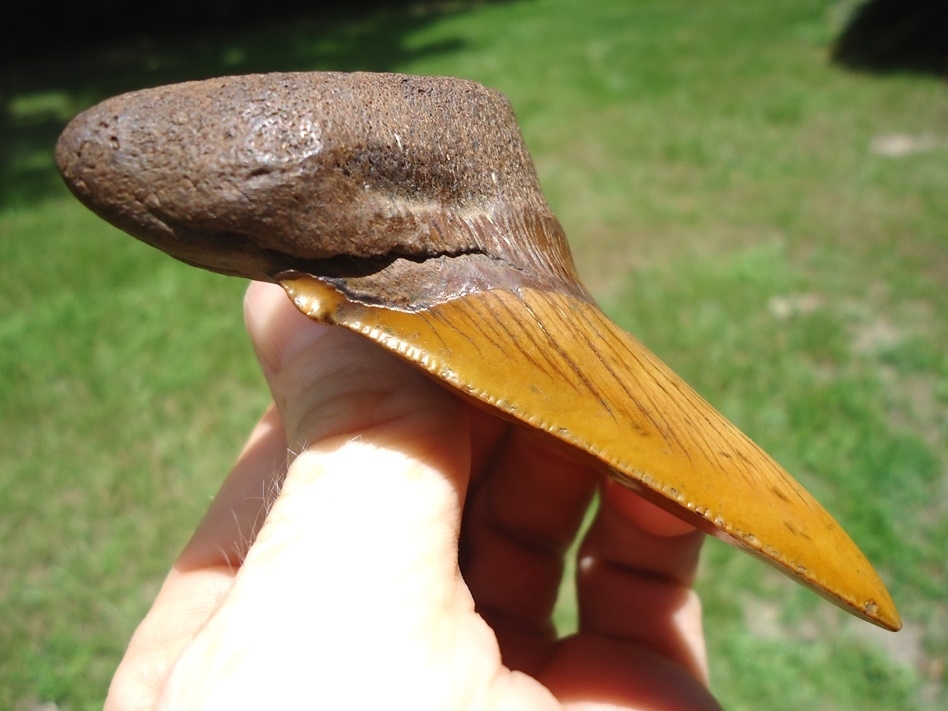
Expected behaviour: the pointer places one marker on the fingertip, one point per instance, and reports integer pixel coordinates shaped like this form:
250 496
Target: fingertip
643 514
279 332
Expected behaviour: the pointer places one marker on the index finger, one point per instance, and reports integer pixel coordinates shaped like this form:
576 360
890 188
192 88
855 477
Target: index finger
636 567
525 506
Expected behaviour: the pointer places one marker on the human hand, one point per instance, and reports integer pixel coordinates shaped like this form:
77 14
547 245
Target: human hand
408 553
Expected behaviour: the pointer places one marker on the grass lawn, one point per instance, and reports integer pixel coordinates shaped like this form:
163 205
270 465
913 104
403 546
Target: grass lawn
773 226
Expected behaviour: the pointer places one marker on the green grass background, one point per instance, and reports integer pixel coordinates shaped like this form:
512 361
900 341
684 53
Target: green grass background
721 185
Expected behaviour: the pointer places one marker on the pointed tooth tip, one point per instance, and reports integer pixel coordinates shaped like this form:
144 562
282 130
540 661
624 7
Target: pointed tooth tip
884 614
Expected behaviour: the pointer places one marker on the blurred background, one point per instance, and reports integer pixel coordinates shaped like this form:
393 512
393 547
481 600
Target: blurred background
759 191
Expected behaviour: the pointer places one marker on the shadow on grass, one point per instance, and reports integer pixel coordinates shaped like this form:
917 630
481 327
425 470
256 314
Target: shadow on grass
40 94
896 36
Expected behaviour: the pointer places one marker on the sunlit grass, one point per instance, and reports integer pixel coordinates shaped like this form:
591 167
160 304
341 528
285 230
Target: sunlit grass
830 409
718 181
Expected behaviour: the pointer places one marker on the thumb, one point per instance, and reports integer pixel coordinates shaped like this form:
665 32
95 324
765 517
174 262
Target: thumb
331 384
341 396
381 460
355 567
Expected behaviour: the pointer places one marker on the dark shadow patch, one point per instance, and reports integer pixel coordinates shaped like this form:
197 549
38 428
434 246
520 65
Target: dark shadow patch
41 91
896 36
